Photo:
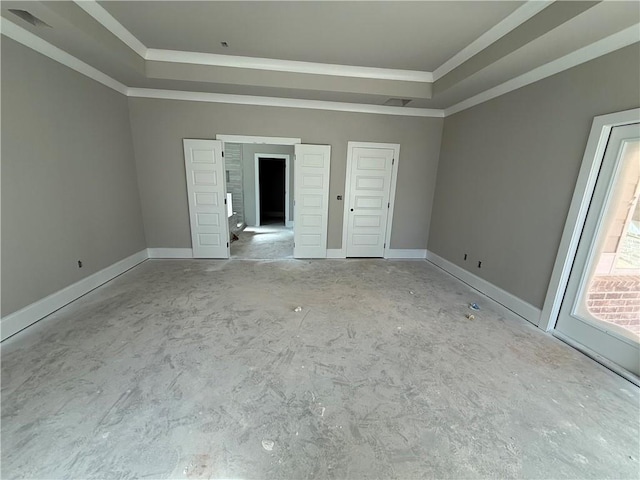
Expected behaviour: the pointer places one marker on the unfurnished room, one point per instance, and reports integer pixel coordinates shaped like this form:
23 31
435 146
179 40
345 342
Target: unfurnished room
320 239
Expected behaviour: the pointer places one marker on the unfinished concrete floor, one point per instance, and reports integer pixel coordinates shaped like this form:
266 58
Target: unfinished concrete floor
267 242
202 369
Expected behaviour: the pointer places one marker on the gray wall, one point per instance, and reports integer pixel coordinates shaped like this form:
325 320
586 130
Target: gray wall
69 186
249 170
160 125
508 168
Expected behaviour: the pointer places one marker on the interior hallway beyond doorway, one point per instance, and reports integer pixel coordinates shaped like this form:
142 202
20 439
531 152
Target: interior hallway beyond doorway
266 242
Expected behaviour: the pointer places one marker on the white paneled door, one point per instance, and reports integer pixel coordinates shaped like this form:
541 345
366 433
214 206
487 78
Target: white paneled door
206 189
311 200
368 198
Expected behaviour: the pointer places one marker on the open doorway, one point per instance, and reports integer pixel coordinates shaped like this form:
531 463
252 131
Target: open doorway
272 189
261 182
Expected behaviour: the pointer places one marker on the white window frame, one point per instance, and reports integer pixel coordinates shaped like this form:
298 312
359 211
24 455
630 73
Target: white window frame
585 185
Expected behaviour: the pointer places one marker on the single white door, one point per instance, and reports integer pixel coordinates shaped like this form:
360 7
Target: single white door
600 311
206 190
311 200
368 193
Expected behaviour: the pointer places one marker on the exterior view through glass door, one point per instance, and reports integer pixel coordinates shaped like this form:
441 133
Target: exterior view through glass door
601 306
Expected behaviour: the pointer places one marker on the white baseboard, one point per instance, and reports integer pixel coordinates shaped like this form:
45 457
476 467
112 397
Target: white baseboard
406 253
13 323
504 298
170 253
393 253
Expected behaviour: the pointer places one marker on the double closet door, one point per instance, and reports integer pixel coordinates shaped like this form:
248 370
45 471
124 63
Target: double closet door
207 199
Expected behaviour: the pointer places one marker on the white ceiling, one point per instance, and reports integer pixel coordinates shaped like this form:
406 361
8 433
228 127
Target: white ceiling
438 55
399 35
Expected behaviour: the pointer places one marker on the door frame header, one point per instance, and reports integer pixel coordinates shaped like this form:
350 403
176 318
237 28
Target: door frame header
260 140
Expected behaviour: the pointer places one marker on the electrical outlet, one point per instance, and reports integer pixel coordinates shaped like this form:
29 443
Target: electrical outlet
79 263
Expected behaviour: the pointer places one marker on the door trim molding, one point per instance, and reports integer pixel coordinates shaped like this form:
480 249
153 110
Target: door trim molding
392 191
585 185
256 139
287 186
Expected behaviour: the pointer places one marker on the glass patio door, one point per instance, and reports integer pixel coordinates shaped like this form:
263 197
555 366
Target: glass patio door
601 307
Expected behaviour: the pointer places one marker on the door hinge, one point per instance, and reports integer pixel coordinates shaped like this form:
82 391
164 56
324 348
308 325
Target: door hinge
225 201
393 161
227 244
223 153
388 204
384 246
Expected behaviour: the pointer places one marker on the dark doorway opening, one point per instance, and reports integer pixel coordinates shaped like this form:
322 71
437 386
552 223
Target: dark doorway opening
272 191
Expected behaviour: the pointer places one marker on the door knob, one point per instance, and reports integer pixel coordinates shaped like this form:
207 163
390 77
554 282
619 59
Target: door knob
352 209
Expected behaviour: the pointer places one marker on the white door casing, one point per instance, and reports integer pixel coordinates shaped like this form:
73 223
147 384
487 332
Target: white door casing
311 200
369 194
206 191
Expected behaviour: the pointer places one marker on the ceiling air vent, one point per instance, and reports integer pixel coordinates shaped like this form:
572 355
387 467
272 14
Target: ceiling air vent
397 102
29 18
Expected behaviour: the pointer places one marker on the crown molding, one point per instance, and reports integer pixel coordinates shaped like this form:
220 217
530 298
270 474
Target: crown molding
619 40
28 39
282 102
39 45
609 44
103 17
510 23
515 19
288 66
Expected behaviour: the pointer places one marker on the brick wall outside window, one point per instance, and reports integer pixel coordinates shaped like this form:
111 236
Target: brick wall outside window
616 299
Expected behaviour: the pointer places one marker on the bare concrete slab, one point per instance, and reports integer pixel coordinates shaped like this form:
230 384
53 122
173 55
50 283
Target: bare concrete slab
268 242
203 369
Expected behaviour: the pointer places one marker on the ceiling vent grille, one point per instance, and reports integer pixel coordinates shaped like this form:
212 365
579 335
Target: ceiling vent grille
397 102
29 18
